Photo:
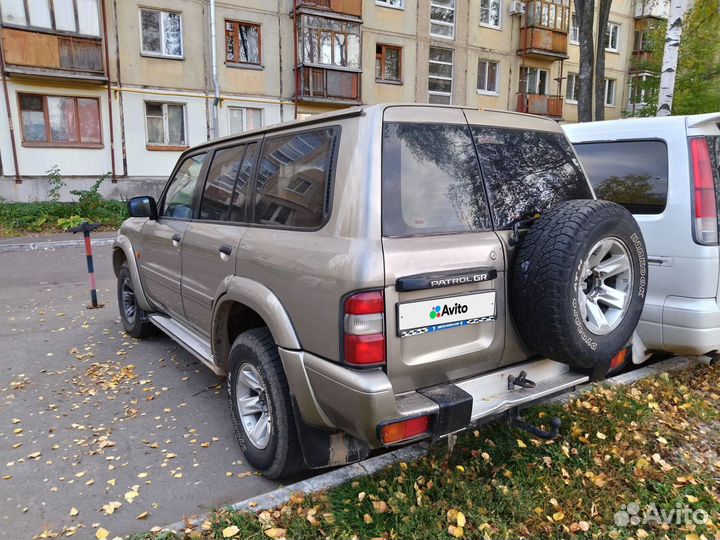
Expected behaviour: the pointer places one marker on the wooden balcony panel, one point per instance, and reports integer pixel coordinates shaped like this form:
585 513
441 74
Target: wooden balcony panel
329 84
348 7
543 42
52 52
541 105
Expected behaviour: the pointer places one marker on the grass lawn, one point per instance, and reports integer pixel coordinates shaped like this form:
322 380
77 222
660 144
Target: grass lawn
653 443
20 219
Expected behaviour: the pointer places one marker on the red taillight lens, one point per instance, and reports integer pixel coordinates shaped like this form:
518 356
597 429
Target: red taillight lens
405 430
706 220
364 327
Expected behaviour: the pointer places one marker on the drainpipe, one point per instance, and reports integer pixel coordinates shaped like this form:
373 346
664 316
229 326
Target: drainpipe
213 57
296 59
18 180
109 93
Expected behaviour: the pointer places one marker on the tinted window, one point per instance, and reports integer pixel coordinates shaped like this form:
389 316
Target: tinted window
631 173
526 172
228 179
179 195
431 182
293 178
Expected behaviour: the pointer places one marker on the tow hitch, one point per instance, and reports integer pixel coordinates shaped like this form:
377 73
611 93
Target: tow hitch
517 422
521 380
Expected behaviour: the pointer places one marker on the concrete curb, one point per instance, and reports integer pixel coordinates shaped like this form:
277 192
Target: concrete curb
336 477
58 244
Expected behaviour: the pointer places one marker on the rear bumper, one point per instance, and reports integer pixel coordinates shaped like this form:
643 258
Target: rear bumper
690 325
357 402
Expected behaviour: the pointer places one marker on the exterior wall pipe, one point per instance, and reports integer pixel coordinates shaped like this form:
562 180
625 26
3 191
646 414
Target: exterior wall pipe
213 58
109 92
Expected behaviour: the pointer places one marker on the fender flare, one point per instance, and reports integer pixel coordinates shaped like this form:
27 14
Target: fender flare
122 242
264 302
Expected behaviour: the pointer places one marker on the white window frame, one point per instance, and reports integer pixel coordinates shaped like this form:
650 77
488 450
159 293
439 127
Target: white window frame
574 29
143 52
438 77
608 46
53 25
166 130
244 117
527 80
301 192
389 4
443 23
572 99
484 92
500 15
614 91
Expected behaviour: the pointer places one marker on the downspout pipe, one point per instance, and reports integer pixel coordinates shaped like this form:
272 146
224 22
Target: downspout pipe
109 92
213 61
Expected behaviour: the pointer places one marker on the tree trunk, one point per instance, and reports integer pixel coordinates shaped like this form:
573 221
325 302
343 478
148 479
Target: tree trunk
585 13
678 8
603 16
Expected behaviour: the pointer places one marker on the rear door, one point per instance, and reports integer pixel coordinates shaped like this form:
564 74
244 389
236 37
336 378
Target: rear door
444 265
211 241
161 245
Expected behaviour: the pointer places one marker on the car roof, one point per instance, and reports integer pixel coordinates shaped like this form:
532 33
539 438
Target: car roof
629 127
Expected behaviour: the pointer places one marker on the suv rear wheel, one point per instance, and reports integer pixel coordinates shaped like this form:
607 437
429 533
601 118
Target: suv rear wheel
579 282
260 405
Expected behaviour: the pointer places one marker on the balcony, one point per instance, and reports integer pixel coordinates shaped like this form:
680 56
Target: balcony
540 104
543 43
641 61
347 7
53 55
327 85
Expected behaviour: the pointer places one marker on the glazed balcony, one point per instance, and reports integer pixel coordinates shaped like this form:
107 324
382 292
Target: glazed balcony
53 55
544 32
540 104
328 85
345 7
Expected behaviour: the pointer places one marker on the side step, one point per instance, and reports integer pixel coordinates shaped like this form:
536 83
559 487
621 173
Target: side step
552 378
191 341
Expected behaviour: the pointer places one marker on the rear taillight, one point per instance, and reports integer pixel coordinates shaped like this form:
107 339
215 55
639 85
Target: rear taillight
364 328
405 430
706 220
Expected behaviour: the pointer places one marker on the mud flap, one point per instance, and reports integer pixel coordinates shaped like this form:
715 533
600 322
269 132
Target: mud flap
327 448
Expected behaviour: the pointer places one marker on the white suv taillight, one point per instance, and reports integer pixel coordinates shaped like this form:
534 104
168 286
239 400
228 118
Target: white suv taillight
364 327
706 218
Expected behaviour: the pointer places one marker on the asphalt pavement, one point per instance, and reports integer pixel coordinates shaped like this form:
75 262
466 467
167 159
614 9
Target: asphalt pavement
97 429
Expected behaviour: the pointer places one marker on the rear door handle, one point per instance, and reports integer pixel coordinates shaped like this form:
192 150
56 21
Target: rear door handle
225 252
176 240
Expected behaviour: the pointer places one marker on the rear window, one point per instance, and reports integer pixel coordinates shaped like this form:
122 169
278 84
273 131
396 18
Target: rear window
526 172
631 173
431 181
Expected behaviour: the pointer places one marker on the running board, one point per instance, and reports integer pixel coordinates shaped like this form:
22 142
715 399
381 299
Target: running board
189 340
552 378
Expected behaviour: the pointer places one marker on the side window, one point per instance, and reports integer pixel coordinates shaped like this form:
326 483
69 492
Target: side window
178 202
631 173
227 180
293 177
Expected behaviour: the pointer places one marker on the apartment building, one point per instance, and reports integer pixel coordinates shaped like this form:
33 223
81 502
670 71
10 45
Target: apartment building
124 86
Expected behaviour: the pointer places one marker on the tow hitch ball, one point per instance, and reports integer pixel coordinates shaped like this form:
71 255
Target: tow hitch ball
517 422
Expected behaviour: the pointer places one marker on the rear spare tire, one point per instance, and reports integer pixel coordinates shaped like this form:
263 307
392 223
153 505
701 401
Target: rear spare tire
578 283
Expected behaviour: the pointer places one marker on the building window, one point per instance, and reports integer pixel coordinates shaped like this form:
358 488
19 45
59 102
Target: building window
165 124
242 43
609 92
535 80
440 76
642 41
490 13
243 119
552 14
388 63
330 42
572 89
612 37
398 4
161 33
77 16
574 30
442 18
488 79
60 120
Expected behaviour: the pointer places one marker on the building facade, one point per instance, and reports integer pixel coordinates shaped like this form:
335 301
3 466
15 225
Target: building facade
123 86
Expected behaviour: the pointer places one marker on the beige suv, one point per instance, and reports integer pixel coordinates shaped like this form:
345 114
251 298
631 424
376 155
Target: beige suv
383 274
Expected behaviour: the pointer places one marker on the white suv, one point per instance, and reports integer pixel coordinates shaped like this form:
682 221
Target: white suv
666 171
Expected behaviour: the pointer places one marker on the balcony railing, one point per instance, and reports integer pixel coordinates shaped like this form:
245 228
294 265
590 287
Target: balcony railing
347 7
642 61
328 85
543 43
540 104
27 50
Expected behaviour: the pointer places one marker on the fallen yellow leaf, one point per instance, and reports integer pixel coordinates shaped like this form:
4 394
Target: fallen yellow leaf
461 519
101 534
692 499
275 532
142 516
457 532
521 444
74 512
229 532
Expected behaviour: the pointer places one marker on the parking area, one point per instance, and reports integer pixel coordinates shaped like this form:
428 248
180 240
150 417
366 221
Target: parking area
96 429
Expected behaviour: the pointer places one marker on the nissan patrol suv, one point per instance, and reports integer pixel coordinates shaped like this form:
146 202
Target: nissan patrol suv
383 274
